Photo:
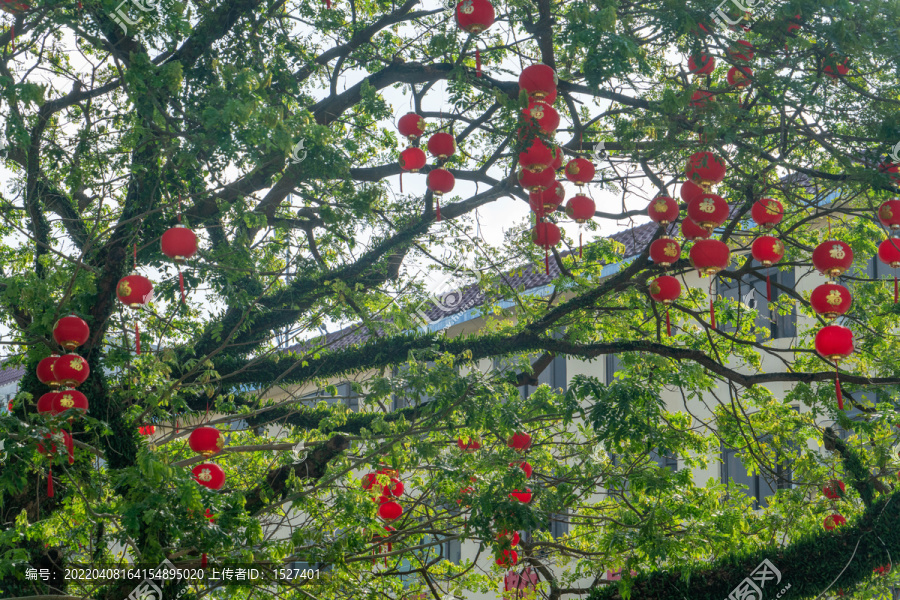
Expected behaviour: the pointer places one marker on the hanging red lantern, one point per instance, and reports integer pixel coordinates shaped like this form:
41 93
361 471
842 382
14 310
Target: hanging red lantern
663 210
700 98
411 126
665 289
834 342
539 82
474 16
206 441
831 300
692 231
71 332
537 157
581 208
709 256
519 441
558 156
665 251
147 430
209 475
46 404
440 181
546 235
542 115
767 250
793 24
891 169
741 51
441 145
134 290
705 169
44 371
767 212
412 159
547 201
739 77
389 510
832 521
889 252
61 437
832 258
834 490
179 243
889 213
526 468
701 64
536 182
709 211
508 558
522 496
690 191
833 69
469 444
580 171
71 370
70 399
508 538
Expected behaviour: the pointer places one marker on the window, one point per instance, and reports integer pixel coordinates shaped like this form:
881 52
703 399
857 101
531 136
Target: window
553 374
452 550
612 364
345 394
752 293
665 460
559 524
875 269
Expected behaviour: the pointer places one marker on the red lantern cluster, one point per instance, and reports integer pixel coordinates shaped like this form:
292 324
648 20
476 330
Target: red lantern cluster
384 492
207 441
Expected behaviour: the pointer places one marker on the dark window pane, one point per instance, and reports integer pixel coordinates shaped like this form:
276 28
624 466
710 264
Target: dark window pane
612 365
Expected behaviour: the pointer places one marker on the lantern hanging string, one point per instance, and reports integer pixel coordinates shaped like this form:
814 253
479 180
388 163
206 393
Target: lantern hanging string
477 62
50 480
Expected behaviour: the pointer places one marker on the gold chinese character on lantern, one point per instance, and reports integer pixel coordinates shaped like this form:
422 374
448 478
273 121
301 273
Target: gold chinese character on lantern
770 208
466 7
205 475
886 213
124 288
67 401
837 252
77 364
834 298
778 248
708 206
660 206
670 250
572 168
537 113
654 288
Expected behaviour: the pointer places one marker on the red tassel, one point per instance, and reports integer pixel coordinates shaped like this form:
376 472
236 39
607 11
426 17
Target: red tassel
181 284
70 449
768 288
437 211
137 338
50 483
203 560
79 4
547 261
668 324
837 390
712 314
328 4
477 62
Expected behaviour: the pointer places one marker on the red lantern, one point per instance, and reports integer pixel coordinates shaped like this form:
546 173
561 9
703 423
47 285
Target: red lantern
440 181
834 342
558 156
526 467
700 98
389 510
147 429
546 235
739 77
71 332
889 252
665 251
44 371
665 289
709 211
46 404
71 370
889 213
412 159
793 24
539 82
522 496
832 521
834 490
508 558
892 170
543 115
831 300
701 64
179 243
61 437
537 157
709 256
474 16
469 445
209 475
134 290
206 441
690 191
705 169
547 201
832 66
692 231
767 250
411 126
767 212
832 257
519 441
441 145
70 399
508 538
536 182
663 210
580 171
581 208
741 51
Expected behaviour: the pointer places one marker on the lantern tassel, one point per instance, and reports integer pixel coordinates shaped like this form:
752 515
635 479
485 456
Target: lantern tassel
668 324
50 482
477 62
181 285
70 449
203 561
547 261
837 390
437 210
769 288
137 337
328 4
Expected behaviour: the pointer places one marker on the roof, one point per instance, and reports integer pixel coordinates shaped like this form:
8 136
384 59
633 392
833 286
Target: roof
11 375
